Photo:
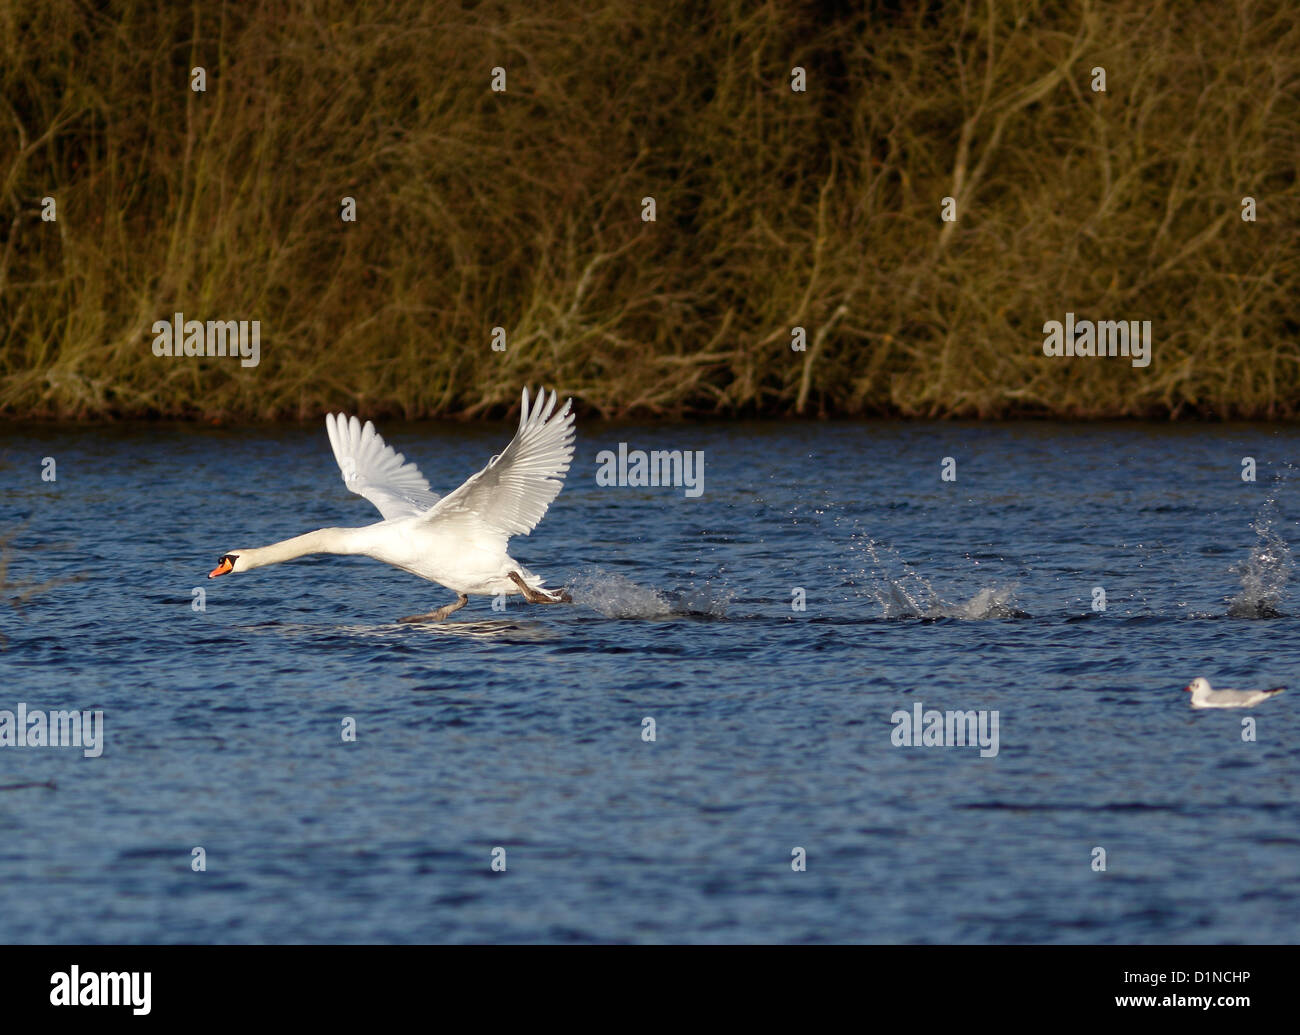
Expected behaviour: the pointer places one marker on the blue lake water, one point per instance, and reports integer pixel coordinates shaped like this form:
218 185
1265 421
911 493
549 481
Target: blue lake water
522 729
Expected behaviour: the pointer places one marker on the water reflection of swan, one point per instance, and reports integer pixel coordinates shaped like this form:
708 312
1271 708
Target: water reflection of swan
458 540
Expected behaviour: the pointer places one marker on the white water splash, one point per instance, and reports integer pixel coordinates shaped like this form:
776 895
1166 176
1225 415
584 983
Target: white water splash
707 600
1265 572
616 596
910 595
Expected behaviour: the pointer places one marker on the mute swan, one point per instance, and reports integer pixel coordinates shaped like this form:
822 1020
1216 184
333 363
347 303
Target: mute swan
458 540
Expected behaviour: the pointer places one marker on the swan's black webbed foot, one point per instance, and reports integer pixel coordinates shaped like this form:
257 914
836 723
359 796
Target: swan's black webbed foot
539 596
440 614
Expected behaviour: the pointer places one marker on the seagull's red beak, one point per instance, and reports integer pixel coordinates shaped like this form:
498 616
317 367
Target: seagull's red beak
1187 688
221 568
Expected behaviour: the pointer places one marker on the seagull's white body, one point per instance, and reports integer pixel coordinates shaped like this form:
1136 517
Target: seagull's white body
458 540
1205 696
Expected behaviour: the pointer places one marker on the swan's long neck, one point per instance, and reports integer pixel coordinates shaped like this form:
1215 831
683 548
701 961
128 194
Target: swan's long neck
325 540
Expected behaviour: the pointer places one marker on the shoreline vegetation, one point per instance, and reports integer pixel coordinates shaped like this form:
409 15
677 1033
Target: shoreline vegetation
775 209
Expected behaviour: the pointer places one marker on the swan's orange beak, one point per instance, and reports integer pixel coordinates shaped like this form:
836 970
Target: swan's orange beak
221 569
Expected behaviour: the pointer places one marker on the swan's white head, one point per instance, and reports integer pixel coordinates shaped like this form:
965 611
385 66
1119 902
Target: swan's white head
1198 687
236 560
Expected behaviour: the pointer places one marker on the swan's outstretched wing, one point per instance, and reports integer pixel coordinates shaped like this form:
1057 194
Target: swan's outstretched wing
376 471
510 495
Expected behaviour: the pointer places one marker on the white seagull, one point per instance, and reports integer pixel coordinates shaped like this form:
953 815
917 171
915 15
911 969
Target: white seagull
1203 696
458 540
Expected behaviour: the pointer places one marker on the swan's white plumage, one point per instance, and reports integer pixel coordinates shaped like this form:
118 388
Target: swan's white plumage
459 540
377 471
510 495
